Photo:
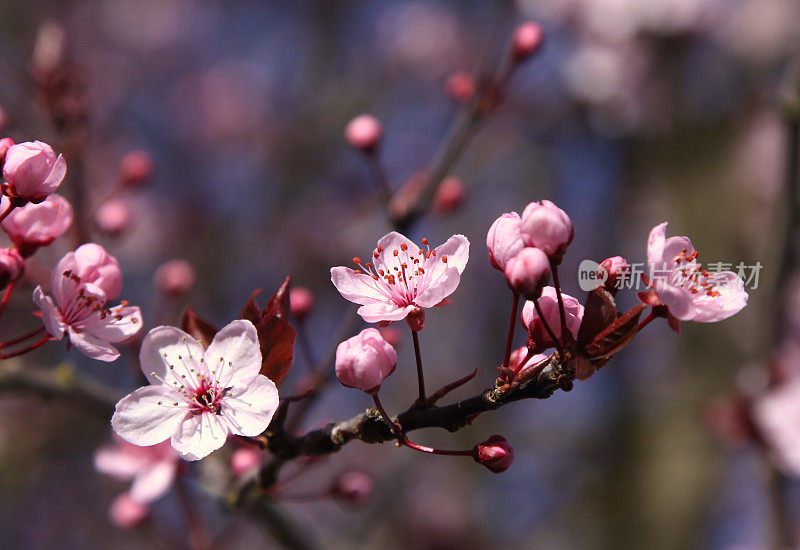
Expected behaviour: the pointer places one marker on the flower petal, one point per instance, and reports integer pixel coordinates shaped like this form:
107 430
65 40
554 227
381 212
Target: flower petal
92 346
148 415
456 248
51 316
153 482
234 353
56 175
655 246
731 299
678 300
177 345
248 408
113 461
388 244
359 288
375 313
199 435
443 286
120 325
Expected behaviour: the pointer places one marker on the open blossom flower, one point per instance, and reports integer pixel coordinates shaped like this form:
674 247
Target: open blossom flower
403 278
36 225
82 284
690 293
777 416
197 397
549 305
32 172
152 469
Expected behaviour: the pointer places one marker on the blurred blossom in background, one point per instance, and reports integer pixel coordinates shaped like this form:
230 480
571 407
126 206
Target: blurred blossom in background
636 112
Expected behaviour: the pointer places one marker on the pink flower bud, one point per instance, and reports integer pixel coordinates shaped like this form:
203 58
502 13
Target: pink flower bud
548 303
353 488
392 335
245 460
96 269
136 168
612 271
126 513
11 266
460 86
113 216
5 145
528 272
365 360
301 302
527 39
364 132
174 277
35 225
504 239
495 453
546 226
32 171
449 195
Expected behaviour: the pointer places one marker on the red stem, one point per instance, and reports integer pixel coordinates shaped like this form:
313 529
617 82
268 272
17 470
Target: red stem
646 321
6 296
511 325
546 325
7 212
21 338
557 285
41 342
431 450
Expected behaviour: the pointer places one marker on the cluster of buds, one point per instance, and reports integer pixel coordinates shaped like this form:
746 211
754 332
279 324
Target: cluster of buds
114 216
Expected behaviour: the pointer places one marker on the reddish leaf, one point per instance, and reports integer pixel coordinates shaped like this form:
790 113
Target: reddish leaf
276 337
251 311
278 304
600 312
197 327
617 335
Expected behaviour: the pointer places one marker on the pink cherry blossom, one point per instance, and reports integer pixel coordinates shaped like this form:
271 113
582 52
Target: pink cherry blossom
496 453
363 132
245 460
549 306
777 417
135 168
197 397
504 239
11 266
36 225
690 293
174 277
404 277
127 513
519 354
113 216
32 172
546 226
527 39
152 469
82 284
528 272
364 360
301 302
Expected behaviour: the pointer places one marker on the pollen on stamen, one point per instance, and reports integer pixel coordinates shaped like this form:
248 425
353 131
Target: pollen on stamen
403 247
444 259
425 241
395 252
357 260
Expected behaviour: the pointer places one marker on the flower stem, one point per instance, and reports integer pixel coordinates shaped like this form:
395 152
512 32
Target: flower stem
32 347
420 376
380 175
386 418
431 450
546 325
7 212
21 338
557 285
511 325
646 321
6 296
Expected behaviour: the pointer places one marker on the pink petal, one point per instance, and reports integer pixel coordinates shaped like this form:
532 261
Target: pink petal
174 343
248 408
92 346
148 415
51 316
374 313
456 248
234 353
112 329
438 289
112 460
678 300
732 299
655 246
56 175
674 246
359 288
199 435
152 483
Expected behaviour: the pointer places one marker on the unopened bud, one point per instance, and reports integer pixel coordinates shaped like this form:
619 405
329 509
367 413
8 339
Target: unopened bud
460 86
528 272
301 302
449 195
353 488
174 277
612 272
5 144
547 227
245 460
527 39
113 216
127 513
11 266
495 453
136 168
364 360
364 133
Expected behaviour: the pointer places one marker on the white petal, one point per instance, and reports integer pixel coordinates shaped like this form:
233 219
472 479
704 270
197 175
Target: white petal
152 483
113 461
359 288
120 325
199 435
234 354
141 420
456 248
92 346
443 286
181 350
655 246
388 244
375 313
51 316
248 409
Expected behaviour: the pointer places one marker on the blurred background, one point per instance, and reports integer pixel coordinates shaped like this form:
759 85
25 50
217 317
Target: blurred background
633 113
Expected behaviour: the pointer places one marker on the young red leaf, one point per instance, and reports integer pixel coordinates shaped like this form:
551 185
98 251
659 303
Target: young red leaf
197 327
